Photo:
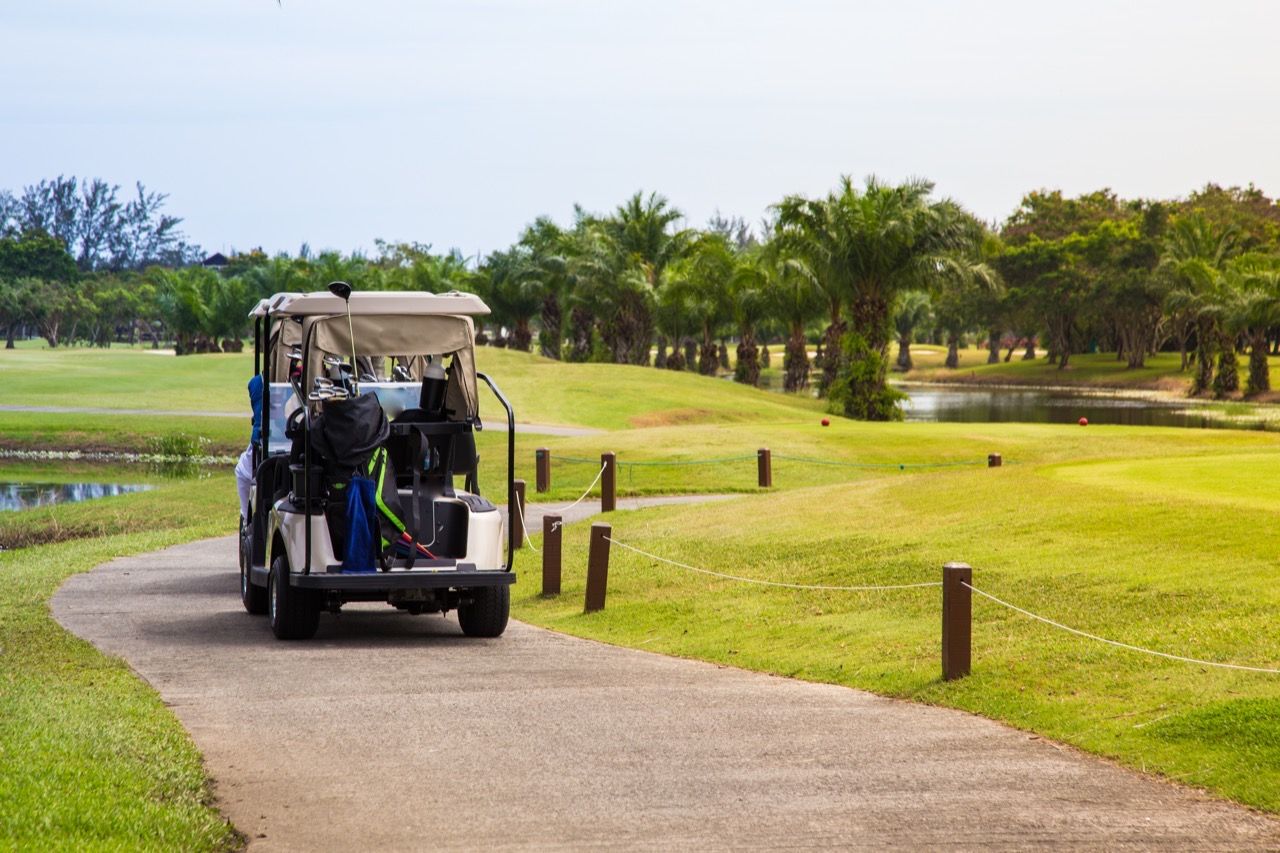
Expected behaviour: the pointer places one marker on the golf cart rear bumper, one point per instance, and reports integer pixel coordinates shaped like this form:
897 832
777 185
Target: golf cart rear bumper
460 578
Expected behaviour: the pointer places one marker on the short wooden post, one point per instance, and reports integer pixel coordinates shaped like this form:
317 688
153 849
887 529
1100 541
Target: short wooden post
994 460
552 525
597 567
609 482
764 468
542 458
515 514
957 620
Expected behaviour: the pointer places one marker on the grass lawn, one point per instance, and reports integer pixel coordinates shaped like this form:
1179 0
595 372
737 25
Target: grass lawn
1123 532
1157 537
92 758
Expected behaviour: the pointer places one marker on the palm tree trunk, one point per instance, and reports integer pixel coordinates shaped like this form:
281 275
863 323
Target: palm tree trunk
953 351
1226 380
795 363
904 352
551 335
690 354
747 370
993 346
1259 369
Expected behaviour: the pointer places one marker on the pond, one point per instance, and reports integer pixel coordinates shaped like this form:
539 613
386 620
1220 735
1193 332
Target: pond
1058 406
17 496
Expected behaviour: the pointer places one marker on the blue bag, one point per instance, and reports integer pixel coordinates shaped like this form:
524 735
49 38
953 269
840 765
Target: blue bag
362 527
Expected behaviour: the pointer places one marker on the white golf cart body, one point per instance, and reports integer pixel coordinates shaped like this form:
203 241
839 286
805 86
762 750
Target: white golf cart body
471 558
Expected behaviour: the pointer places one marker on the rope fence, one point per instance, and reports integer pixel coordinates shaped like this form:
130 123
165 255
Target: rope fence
1117 643
760 582
763 458
957 601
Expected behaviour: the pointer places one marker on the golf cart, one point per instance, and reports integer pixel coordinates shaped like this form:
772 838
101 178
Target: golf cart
369 414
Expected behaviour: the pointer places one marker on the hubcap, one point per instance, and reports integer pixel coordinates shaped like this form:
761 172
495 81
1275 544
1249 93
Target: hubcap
272 584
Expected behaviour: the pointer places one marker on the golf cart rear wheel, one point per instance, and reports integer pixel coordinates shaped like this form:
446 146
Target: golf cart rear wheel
254 598
485 615
294 613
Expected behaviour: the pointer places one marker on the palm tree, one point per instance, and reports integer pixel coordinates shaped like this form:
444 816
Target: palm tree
912 311
702 280
1195 252
796 300
642 233
749 303
1252 284
869 245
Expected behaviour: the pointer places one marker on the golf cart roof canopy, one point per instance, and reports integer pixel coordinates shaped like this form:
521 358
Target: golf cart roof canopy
372 302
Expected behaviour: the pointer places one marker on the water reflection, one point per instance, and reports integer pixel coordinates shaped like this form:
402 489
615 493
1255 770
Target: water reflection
1002 405
17 496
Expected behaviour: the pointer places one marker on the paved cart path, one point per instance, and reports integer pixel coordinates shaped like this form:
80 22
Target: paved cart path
394 732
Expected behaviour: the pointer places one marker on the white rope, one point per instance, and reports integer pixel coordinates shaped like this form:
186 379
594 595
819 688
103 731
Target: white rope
553 511
770 583
1120 645
528 540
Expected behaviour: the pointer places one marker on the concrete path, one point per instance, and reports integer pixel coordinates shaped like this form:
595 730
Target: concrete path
394 732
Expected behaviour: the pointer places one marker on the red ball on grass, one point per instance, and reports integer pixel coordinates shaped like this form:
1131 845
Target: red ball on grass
826 422
1084 422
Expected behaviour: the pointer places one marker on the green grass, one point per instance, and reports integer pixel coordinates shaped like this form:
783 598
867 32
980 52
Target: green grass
91 757
1146 552
1158 537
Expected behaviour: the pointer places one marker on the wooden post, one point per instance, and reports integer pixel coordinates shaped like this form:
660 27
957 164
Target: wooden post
764 468
994 460
542 457
515 515
552 525
597 567
957 620
609 482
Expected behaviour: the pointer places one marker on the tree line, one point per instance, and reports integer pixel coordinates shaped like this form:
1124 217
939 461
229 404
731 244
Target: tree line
848 273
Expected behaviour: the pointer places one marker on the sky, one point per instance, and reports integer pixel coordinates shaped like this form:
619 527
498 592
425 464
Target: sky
337 122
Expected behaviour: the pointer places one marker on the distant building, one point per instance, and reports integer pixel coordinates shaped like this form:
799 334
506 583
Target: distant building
217 260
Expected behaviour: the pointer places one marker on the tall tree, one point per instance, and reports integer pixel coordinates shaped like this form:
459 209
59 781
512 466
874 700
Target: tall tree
873 243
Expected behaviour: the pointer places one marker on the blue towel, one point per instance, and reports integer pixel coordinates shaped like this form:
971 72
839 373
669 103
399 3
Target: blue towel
362 528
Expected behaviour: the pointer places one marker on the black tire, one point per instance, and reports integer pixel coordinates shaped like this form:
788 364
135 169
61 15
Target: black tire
254 598
487 613
294 613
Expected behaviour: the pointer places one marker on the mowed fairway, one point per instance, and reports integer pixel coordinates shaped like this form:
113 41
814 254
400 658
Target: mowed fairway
1155 537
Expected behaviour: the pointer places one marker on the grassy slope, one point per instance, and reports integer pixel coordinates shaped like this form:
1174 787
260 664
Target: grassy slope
92 759
541 390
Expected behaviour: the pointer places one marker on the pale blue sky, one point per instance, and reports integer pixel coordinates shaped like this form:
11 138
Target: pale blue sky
336 122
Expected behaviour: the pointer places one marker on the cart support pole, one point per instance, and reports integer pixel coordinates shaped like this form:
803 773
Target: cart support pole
515 515
542 458
597 567
609 482
764 466
957 620
552 525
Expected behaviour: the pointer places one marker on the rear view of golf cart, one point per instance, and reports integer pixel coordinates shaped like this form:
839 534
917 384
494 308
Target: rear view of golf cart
366 474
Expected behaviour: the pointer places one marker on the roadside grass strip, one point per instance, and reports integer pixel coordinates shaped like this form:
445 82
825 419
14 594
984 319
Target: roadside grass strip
91 758
793 582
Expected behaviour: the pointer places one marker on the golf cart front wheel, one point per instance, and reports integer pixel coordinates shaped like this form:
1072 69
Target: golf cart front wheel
486 613
294 613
